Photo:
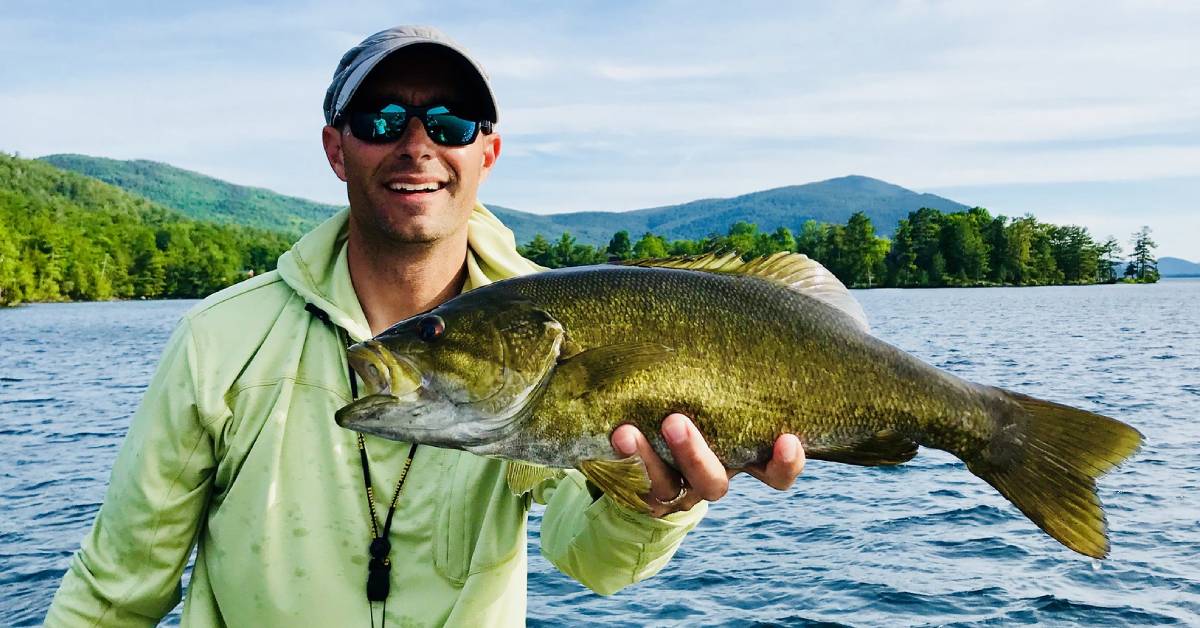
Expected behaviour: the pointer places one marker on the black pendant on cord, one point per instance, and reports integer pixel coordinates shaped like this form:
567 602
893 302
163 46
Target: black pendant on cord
378 569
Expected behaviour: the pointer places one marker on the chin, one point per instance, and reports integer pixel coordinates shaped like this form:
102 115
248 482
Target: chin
417 231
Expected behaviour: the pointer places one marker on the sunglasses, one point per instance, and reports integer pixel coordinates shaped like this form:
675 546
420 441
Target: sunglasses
442 126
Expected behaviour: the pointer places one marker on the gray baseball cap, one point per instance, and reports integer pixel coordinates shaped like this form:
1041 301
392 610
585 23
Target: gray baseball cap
358 62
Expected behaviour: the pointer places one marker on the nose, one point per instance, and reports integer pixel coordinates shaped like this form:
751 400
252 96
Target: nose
415 143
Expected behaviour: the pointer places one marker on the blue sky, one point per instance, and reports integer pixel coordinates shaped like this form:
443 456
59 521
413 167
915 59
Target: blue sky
1078 112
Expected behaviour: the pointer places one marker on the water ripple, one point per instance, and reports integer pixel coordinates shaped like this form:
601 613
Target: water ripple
925 543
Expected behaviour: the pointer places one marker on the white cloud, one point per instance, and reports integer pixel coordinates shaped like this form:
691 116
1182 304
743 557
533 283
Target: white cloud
635 105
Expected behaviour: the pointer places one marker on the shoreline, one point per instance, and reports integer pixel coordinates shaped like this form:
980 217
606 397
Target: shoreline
5 306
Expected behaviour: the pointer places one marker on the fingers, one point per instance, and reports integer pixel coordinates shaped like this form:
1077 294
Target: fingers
627 440
786 463
697 463
699 468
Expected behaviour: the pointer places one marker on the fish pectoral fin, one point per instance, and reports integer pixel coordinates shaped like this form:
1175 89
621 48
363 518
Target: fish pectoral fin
597 367
885 447
624 480
523 477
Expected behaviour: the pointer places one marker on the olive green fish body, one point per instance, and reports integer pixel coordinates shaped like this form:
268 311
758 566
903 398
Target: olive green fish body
749 360
542 368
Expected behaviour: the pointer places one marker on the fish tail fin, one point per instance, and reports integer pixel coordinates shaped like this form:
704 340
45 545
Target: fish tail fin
1046 459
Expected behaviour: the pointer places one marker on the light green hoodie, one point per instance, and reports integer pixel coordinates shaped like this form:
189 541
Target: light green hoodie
234 448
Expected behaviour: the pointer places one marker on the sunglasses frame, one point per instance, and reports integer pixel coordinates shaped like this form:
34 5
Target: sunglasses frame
408 112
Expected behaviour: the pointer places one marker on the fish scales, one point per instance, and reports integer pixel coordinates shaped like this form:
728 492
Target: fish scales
542 368
787 363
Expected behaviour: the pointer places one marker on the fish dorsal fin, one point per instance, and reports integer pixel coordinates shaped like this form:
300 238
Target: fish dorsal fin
525 476
795 270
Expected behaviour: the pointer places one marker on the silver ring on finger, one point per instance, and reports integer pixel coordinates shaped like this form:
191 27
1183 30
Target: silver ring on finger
675 501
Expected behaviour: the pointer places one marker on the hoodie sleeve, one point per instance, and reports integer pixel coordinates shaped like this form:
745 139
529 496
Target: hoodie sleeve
602 545
127 572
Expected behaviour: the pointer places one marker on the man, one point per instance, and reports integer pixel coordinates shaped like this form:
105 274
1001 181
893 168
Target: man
299 522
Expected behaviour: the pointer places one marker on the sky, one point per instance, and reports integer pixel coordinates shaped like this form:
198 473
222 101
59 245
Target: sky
1077 112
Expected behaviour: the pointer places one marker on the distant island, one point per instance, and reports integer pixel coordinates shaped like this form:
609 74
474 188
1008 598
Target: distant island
76 227
929 249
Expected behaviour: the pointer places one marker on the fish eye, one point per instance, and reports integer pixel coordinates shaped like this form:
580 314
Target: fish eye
431 328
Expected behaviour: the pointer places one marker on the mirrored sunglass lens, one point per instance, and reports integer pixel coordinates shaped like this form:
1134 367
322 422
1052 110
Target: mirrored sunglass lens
450 129
378 127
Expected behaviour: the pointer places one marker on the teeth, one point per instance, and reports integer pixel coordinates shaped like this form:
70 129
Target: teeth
417 187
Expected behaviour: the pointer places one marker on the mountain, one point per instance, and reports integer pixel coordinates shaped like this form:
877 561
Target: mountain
199 196
66 236
833 200
1175 267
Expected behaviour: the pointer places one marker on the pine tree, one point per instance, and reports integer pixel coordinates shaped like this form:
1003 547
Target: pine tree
1144 263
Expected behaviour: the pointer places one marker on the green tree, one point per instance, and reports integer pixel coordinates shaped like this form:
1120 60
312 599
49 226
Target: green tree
1000 268
963 248
811 240
1075 253
861 257
561 253
620 247
1108 256
538 251
684 247
650 246
1018 235
10 264
1144 262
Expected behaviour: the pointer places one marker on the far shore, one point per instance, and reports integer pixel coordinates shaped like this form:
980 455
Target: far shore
4 306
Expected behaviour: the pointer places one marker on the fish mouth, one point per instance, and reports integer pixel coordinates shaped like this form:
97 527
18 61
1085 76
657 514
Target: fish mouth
383 372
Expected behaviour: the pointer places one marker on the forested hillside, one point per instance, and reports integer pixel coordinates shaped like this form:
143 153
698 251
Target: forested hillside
199 196
830 201
929 248
64 236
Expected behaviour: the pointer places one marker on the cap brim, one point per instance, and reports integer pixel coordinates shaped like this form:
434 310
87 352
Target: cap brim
360 73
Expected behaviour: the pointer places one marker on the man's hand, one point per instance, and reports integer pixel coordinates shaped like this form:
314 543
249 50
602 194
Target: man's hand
702 474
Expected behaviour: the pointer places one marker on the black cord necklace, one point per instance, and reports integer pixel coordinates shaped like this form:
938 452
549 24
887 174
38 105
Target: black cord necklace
380 565
379 568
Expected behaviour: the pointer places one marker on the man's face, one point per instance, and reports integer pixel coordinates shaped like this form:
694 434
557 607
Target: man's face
376 175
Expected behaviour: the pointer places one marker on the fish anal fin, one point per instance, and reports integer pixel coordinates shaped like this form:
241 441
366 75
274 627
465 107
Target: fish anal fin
624 480
594 368
523 477
884 448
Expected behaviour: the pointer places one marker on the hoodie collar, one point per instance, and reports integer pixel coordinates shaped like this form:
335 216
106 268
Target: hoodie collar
316 266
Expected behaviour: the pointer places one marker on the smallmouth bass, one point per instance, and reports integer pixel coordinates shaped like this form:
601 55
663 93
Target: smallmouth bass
542 368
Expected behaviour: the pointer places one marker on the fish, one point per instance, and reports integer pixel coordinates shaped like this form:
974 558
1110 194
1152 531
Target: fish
540 369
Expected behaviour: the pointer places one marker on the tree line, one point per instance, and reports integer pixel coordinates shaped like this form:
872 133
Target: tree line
64 236
929 248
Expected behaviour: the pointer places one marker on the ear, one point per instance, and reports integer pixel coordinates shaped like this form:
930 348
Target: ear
331 137
491 152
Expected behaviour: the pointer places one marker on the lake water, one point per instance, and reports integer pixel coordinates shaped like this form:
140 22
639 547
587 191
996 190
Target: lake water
923 543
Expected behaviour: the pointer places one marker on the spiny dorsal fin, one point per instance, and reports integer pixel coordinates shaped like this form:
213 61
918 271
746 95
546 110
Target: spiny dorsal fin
524 476
796 270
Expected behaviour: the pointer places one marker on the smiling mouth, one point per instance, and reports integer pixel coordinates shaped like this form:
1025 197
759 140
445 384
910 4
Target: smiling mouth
417 188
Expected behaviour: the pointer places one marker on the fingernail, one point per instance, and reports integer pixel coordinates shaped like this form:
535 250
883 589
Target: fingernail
675 430
625 443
